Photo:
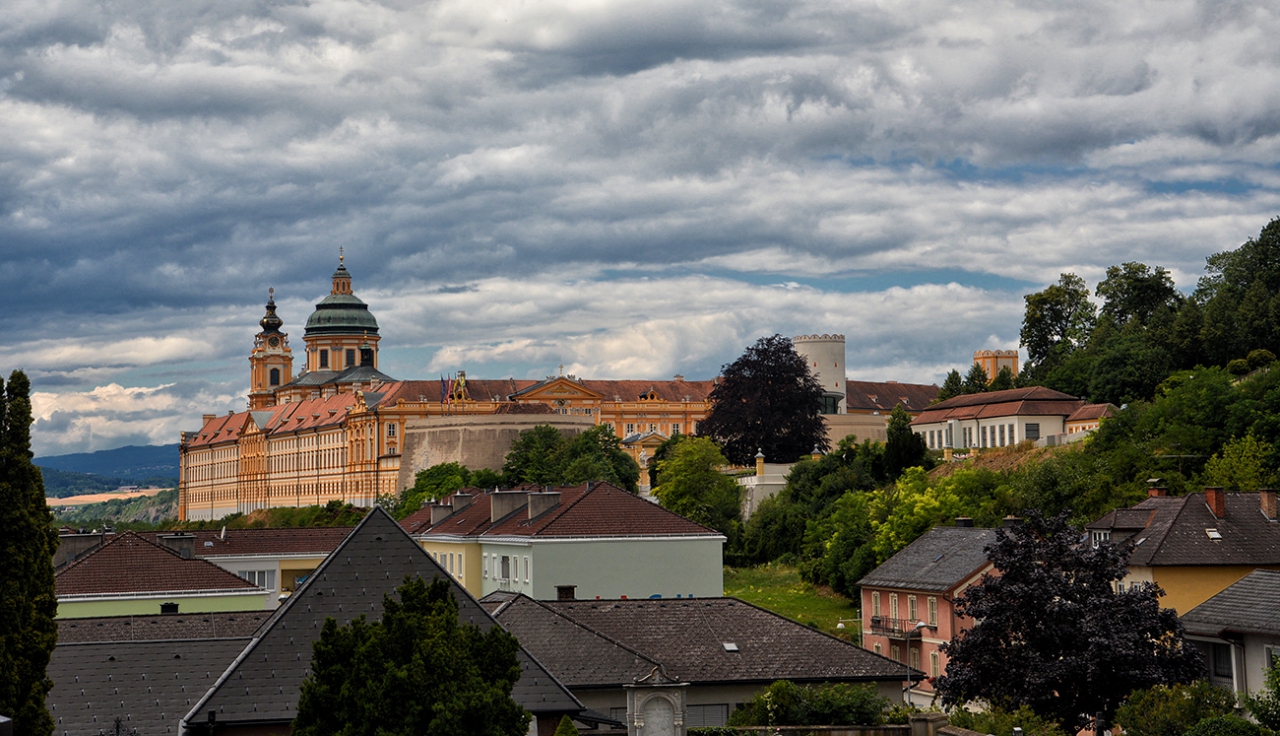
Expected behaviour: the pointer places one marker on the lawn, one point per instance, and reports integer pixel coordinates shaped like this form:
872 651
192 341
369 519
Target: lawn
778 588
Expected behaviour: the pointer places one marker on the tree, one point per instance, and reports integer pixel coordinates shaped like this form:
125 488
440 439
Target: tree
27 600
903 448
1053 634
416 672
952 385
566 727
1136 292
432 484
1172 710
785 703
1003 381
543 456
766 401
1057 321
532 457
690 484
976 380
1265 704
1242 465
1001 723
1228 725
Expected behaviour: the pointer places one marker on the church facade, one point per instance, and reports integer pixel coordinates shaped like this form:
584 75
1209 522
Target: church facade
334 431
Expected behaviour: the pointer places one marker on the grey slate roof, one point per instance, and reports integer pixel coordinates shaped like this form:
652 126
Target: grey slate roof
236 624
688 636
1175 531
1249 606
148 684
938 560
262 686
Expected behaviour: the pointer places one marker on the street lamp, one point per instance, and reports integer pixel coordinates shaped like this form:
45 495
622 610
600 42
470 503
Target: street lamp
906 659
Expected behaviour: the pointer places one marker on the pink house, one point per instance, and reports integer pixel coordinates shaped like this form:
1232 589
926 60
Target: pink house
906 602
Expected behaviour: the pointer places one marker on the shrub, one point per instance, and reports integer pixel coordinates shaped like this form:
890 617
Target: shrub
999 722
1171 710
1228 726
785 703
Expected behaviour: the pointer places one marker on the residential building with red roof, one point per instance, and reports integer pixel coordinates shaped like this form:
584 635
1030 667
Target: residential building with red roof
995 418
130 574
589 540
1089 417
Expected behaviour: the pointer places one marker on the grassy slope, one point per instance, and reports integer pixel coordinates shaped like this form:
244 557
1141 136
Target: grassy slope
778 588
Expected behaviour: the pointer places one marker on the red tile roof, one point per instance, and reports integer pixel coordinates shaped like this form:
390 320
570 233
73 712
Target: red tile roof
665 390
1034 401
1092 411
589 510
131 564
290 541
291 417
883 396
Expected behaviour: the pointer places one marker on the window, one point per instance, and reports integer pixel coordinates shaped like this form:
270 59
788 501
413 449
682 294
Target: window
912 612
391 430
275 377
875 603
526 569
484 566
261 578
935 665
984 436
933 611
324 358
1001 435
1100 536
915 658
893 605
895 652
1222 660
1032 430
631 429
675 428
506 568
351 358
699 716
1271 656
1013 437
450 563
653 428
878 649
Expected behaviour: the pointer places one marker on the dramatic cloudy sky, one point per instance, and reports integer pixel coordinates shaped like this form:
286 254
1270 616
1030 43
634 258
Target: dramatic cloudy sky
631 189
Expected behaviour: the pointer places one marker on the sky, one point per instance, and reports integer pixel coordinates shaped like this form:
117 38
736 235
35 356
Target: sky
627 189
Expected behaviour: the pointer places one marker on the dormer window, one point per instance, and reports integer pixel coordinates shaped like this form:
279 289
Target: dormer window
1101 536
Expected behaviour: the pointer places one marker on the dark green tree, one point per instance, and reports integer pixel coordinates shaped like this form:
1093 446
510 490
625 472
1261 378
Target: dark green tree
1264 705
534 457
1057 321
976 380
903 448
416 672
1172 710
766 401
952 385
662 453
1135 292
1003 381
1053 634
431 484
597 454
27 543
785 703
1228 725
690 484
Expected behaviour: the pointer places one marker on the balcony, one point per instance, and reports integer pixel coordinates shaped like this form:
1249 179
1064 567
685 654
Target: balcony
894 628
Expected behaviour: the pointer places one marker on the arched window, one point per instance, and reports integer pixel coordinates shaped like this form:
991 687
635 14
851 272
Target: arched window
275 376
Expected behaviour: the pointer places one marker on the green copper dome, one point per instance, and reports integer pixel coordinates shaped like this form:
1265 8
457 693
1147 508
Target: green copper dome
341 314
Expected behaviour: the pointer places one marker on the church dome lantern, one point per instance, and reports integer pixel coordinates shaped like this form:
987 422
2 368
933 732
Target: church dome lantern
342 312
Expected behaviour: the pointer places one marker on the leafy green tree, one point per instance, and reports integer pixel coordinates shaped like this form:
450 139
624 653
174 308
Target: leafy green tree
662 452
1228 725
534 457
785 703
1265 704
1000 722
1128 367
976 380
952 385
690 484
416 672
903 448
1260 359
1057 321
766 401
27 601
1171 710
1136 292
1242 465
566 727
597 454
431 484
838 549
1003 381
1052 633
917 503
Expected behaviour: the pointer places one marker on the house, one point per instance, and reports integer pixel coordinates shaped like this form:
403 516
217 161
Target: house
995 418
1089 417
1194 546
1238 631
594 539
130 574
239 673
918 585
723 650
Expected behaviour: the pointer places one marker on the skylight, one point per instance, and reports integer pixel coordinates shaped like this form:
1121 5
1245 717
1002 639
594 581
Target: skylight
1214 534
730 646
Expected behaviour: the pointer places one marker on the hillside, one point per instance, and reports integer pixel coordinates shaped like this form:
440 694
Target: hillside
1002 459
106 470
149 510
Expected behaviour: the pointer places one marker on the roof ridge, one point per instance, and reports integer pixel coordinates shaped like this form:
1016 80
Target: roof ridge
1182 506
585 627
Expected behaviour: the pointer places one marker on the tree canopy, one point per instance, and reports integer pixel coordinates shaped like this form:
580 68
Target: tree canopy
1052 633
27 600
766 401
690 484
1057 321
416 672
544 456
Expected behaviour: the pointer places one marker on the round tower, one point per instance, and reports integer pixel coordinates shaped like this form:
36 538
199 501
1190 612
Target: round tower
271 362
825 357
341 334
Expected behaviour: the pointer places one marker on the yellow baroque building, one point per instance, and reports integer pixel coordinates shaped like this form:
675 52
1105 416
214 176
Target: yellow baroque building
335 431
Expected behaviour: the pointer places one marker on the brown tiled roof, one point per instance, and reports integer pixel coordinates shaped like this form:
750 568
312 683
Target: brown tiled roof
1175 533
479 389
161 627
131 564
595 509
883 396
688 637
665 390
286 541
1034 401
290 417
1092 411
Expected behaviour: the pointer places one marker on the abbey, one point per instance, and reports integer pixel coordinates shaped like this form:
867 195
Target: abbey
335 431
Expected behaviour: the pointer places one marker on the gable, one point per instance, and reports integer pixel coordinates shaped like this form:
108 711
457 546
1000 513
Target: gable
558 388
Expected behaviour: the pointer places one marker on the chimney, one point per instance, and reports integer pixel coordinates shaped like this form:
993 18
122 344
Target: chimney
541 502
206 418
461 501
440 512
964 521
566 592
1156 493
1216 500
1012 521
505 502
1267 499
183 544
678 377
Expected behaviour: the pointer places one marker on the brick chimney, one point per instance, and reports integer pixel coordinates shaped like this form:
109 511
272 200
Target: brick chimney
1267 500
964 521
1216 500
1156 493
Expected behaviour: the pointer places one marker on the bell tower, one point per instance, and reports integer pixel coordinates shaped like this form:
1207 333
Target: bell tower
271 362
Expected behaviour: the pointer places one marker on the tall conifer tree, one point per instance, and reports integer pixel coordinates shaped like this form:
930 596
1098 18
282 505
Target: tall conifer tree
27 542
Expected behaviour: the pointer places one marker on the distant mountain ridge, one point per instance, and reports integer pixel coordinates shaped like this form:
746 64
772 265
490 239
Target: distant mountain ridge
135 462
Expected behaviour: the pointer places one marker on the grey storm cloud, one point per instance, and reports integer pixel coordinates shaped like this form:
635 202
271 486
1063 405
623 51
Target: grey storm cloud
627 188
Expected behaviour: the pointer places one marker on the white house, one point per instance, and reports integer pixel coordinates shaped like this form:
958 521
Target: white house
995 418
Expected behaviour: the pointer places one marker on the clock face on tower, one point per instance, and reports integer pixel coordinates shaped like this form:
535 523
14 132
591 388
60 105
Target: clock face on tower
274 342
